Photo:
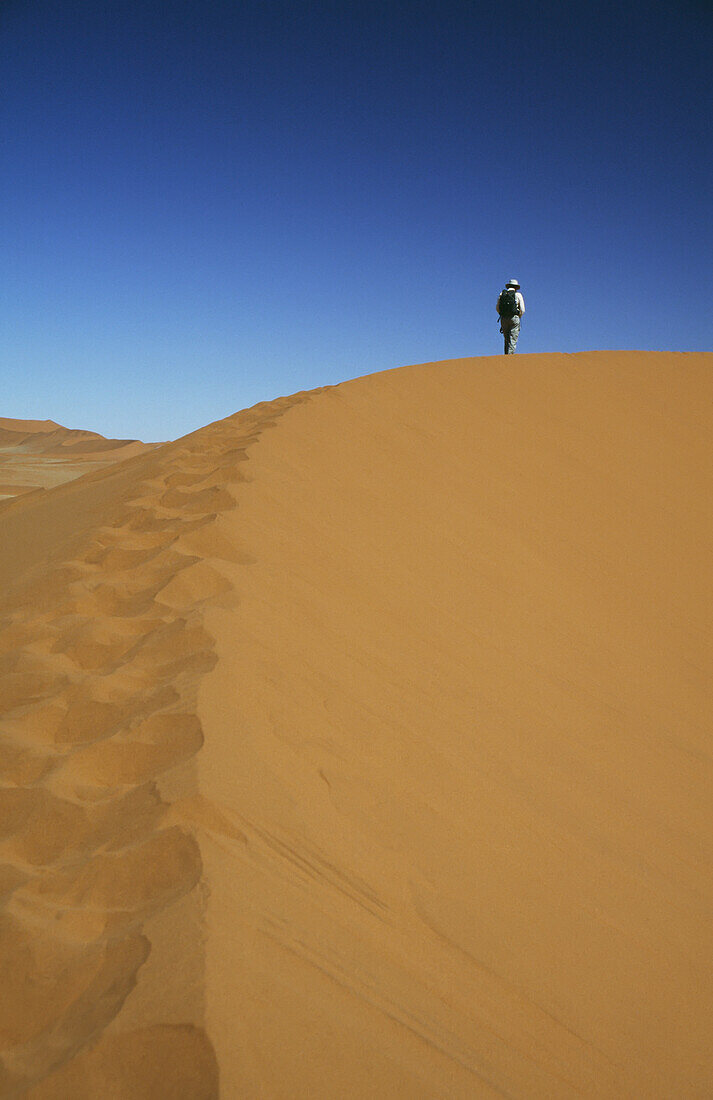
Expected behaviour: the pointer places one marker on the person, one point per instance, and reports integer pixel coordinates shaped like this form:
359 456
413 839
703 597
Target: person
510 307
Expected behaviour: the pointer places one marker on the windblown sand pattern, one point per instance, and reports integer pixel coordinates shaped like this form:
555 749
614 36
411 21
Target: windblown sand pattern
101 656
370 755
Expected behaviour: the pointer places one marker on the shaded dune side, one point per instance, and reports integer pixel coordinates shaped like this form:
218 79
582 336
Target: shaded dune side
101 651
458 740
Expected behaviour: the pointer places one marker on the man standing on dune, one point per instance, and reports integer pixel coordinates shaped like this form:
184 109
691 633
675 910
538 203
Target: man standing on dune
510 307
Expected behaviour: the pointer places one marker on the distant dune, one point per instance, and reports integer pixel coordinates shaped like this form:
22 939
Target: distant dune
38 454
359 745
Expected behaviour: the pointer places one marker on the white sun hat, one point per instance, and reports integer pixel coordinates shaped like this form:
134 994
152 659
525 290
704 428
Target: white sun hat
513 282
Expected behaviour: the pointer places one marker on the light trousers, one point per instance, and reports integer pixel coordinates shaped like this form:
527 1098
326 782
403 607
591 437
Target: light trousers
510 328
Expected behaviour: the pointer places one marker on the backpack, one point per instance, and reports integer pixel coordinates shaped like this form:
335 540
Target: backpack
507 303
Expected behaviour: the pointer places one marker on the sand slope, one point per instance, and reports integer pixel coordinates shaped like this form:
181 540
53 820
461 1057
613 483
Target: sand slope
38 454
359 745
102 648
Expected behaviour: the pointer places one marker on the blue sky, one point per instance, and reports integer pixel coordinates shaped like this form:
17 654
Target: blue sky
205 205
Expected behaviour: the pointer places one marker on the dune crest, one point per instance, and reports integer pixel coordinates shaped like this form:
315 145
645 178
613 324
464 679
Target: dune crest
101 654
359 745
460 726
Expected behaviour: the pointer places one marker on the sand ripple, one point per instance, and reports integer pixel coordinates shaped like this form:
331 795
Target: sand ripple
101 654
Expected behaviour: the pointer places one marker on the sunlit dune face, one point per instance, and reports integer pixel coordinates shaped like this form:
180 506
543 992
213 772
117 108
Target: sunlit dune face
358 745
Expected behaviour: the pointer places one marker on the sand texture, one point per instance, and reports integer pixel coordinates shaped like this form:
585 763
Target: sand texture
359 746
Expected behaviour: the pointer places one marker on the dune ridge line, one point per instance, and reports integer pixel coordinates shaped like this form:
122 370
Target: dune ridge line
459 731
370 756
101 656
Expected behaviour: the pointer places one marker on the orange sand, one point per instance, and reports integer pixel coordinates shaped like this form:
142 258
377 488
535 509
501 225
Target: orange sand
369 756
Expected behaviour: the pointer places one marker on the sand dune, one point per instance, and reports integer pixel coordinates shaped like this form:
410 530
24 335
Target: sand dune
358 745
38 454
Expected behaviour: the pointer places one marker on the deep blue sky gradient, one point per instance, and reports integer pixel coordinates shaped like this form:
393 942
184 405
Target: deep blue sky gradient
207 204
